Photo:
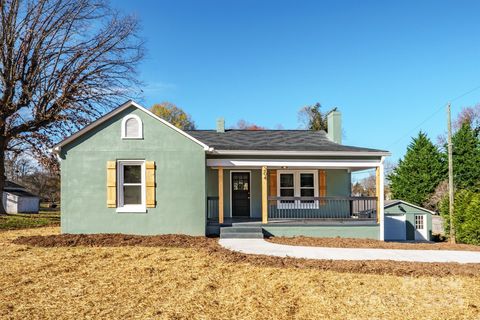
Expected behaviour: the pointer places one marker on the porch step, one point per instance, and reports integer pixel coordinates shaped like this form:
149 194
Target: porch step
241 233
235 229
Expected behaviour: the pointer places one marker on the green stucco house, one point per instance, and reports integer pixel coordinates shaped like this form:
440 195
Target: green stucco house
134 173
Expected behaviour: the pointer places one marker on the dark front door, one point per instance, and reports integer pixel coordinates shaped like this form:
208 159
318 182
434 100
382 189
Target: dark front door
240 194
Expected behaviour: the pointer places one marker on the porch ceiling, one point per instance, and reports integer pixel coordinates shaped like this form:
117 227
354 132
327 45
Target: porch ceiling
353 165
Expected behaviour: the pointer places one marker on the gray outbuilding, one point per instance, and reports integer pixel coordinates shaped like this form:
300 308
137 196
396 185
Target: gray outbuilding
16 199
407 222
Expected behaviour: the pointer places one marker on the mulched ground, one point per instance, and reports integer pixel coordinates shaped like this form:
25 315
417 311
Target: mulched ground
368 243
212 248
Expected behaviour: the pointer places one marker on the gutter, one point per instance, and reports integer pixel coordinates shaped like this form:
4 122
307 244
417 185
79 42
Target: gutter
303 153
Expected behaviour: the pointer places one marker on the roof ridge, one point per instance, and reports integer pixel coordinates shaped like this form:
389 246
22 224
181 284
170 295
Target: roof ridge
248 130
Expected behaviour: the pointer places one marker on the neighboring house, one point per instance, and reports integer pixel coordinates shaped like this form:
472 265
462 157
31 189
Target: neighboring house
406 221
16 199
132 172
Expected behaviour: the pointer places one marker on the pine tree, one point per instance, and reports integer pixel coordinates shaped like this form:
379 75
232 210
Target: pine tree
419 172
466 158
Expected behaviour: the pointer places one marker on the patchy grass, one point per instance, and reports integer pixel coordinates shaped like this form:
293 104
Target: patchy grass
368 243
32 220
191 279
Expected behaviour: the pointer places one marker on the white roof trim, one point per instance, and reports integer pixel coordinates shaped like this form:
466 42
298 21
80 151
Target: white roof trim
394 202
294 163
303 153
116 111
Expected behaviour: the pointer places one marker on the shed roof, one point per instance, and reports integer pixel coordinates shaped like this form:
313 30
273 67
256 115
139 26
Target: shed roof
12 185
21 193
391 203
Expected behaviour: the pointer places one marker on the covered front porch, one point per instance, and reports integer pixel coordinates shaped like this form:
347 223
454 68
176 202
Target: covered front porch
292 193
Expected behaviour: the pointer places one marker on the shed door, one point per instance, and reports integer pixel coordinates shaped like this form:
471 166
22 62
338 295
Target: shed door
421 227
395 227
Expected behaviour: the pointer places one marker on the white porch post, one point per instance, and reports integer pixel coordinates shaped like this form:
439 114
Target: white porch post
381 197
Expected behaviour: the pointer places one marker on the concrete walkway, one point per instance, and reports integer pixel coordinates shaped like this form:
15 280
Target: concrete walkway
260 246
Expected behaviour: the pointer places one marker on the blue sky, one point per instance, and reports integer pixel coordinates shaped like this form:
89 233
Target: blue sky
387 65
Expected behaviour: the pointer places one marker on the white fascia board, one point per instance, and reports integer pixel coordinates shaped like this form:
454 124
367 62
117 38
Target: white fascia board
291 163
56 148
301 153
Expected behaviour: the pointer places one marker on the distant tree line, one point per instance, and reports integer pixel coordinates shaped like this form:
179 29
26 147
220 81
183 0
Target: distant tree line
310 117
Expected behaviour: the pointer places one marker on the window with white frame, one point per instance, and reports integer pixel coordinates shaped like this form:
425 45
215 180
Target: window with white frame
131 186
132 127
419 222
297 183
287 186
307 186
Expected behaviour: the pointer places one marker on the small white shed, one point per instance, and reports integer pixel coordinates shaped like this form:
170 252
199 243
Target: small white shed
16 199
406 221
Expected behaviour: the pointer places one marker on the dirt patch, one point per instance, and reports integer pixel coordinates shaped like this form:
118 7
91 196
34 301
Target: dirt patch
213 249
115 240
368 243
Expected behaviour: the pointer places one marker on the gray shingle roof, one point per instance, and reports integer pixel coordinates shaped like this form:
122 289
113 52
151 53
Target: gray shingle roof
272 140
15 188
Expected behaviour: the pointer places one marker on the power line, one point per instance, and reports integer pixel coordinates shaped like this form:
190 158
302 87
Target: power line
433 114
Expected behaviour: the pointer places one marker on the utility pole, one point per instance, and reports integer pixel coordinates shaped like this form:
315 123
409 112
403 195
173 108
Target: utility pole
450 175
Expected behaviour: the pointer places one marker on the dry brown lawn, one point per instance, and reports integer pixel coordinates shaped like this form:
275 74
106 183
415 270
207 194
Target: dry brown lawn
175 282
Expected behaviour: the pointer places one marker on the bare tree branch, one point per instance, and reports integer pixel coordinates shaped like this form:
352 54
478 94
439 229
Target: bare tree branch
63 63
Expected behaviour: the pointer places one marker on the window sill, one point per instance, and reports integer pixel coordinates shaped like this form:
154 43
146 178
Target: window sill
133 209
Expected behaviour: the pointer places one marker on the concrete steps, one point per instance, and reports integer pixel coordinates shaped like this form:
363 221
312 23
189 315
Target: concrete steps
243 232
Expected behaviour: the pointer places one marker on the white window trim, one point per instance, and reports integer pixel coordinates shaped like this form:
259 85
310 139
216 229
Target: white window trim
124 127
296 189
421 221
141 208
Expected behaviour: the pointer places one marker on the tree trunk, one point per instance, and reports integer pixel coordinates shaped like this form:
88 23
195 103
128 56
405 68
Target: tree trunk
3 146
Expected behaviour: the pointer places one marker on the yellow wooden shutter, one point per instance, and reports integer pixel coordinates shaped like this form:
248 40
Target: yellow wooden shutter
111 184
272 180
272 184
322 185
150 183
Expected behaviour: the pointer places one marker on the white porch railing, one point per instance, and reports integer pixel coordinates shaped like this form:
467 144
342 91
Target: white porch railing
310 208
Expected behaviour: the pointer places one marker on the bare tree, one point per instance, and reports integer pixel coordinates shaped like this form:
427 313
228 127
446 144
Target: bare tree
63 63
44 183
245 125
18 166
440 193
470 115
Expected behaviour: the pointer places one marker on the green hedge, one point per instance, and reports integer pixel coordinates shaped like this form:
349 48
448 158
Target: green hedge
466 216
